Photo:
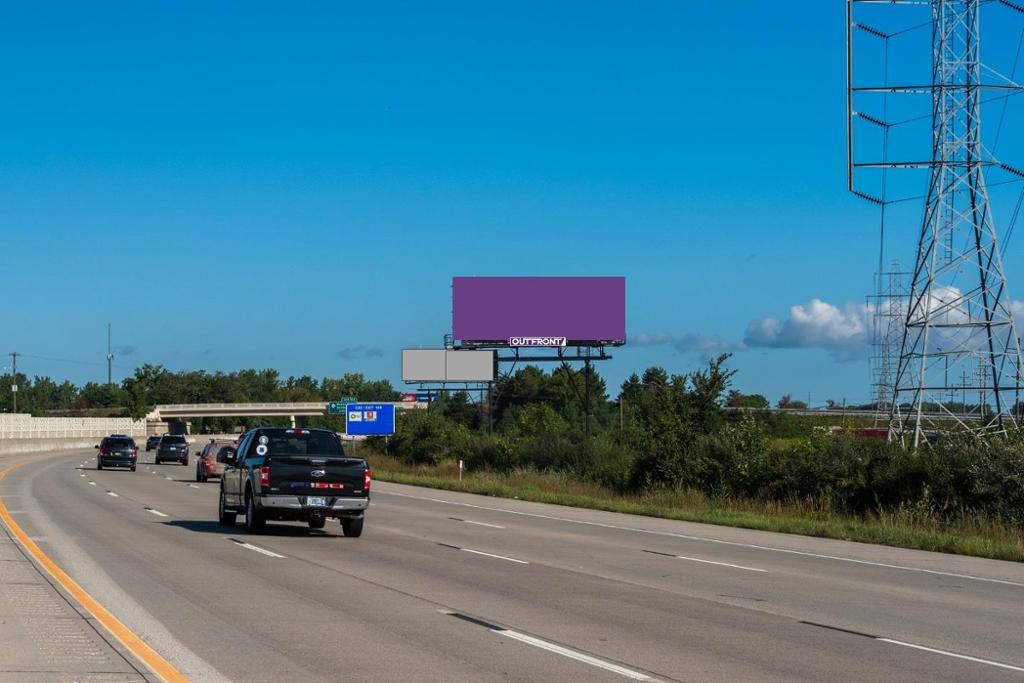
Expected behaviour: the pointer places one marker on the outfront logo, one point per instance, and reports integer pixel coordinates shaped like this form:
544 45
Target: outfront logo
536 341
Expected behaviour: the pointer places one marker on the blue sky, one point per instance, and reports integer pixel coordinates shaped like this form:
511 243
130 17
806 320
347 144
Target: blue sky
293 186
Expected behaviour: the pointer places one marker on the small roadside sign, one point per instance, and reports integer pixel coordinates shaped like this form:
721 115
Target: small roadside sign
338 407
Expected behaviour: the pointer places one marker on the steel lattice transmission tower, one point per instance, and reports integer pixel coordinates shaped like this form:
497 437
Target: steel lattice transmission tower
958 318
887 308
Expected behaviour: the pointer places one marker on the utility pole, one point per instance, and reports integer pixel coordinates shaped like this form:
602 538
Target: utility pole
110 359
14 380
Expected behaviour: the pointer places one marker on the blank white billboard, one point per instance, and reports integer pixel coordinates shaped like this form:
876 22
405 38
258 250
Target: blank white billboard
444 365
469 366
423 365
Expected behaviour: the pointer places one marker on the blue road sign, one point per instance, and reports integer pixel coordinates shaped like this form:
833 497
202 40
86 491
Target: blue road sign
370 419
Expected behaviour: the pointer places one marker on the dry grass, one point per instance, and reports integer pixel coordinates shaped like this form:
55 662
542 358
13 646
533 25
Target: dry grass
906 527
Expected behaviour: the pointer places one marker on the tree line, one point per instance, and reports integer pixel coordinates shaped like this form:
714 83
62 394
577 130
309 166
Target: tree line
151 385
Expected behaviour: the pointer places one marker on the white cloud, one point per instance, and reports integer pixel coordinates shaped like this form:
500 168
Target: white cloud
817 324
708 347
844 331
360 351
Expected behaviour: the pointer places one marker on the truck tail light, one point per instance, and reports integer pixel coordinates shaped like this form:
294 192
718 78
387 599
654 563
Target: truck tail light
265 476
366 480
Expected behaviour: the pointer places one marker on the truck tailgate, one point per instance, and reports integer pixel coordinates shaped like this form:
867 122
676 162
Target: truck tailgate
318 476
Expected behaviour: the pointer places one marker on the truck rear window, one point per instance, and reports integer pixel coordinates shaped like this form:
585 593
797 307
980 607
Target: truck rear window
286 443
176 440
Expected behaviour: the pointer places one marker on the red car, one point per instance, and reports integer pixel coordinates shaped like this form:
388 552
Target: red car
206 464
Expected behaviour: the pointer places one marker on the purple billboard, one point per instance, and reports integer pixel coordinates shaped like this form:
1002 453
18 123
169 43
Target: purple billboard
539 311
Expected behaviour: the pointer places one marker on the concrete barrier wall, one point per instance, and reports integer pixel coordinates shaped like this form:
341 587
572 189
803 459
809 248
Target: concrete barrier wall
13 446
23 426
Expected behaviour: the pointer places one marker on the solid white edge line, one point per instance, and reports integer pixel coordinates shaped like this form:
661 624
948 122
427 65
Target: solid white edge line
979 660
721 564
499 557
493 526
156 512
688 537
573 654
250 546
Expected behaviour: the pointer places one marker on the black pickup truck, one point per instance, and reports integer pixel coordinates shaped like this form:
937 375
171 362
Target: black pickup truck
293 474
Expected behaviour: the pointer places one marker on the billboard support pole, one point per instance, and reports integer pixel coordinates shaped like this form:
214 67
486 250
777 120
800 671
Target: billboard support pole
490 408
586 393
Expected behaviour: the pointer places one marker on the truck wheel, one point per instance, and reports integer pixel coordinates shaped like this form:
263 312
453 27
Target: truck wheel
227 518
255 521
317 522
352 527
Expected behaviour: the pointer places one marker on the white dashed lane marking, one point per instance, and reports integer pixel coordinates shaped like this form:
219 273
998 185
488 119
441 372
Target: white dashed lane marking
697 559
556 649
256 548
156 512
480 552
469 521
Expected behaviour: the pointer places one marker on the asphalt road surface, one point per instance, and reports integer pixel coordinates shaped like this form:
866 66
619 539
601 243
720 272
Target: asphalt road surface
454 587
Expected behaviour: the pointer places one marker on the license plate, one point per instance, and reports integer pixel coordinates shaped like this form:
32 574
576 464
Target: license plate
316 500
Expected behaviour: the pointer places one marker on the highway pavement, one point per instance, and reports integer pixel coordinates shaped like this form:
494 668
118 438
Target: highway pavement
453 587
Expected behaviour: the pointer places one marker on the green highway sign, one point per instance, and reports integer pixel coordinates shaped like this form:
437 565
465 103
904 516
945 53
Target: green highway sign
338 407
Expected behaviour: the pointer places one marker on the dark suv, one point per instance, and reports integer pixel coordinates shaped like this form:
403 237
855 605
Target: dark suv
152 442
172 447
116 451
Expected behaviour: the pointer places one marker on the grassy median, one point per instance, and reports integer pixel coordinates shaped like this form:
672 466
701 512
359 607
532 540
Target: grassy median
905 527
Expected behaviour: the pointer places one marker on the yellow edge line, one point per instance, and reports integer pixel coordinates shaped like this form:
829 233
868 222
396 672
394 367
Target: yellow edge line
157 664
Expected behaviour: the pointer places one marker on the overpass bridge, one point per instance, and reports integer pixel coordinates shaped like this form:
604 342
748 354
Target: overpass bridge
291 410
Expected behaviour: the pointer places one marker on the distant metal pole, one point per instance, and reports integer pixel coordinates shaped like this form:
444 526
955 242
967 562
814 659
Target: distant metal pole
110 359
14 380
